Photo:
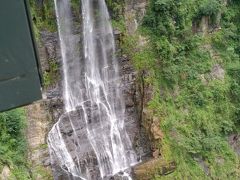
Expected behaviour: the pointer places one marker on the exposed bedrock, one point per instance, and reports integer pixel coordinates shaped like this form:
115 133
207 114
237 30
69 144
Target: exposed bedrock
52 107
135 130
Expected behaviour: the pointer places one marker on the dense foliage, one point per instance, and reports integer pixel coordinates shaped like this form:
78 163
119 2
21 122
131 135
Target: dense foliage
116 8
198 111
13 144
44 19
43 16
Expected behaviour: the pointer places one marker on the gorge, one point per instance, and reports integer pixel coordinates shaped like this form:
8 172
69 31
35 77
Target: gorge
147 90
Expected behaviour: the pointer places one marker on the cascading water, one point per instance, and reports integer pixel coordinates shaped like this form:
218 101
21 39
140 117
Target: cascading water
90 135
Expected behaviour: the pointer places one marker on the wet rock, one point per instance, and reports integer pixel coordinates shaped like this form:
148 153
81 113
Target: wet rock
46 162
136 131
50 42
51 108
137 134
53 93
80 147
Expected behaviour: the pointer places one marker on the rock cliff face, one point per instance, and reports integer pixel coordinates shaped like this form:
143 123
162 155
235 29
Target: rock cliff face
38 126
134 12
43 114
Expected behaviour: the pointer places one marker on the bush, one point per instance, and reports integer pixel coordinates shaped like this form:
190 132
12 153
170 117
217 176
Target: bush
197 112
12 140
209 8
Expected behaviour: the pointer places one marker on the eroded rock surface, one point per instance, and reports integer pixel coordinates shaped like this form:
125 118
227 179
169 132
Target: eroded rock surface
134 13
38 125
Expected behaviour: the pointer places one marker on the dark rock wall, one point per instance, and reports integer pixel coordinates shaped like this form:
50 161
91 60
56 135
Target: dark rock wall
43 114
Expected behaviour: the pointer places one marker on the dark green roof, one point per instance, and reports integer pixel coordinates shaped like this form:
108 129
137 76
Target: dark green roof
20 81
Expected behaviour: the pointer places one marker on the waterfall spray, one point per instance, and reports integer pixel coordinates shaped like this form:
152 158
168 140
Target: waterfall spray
90 134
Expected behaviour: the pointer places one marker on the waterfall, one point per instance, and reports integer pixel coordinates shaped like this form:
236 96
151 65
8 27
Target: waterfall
90 136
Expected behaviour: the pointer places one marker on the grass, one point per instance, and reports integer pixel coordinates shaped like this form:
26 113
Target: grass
13 146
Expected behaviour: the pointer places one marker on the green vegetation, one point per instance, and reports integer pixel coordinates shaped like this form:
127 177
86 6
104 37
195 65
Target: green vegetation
43 16
116 8
76 7
198 110
12 143
52 76
42 172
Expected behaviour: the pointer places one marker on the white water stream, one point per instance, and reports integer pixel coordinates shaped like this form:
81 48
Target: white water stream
94 105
